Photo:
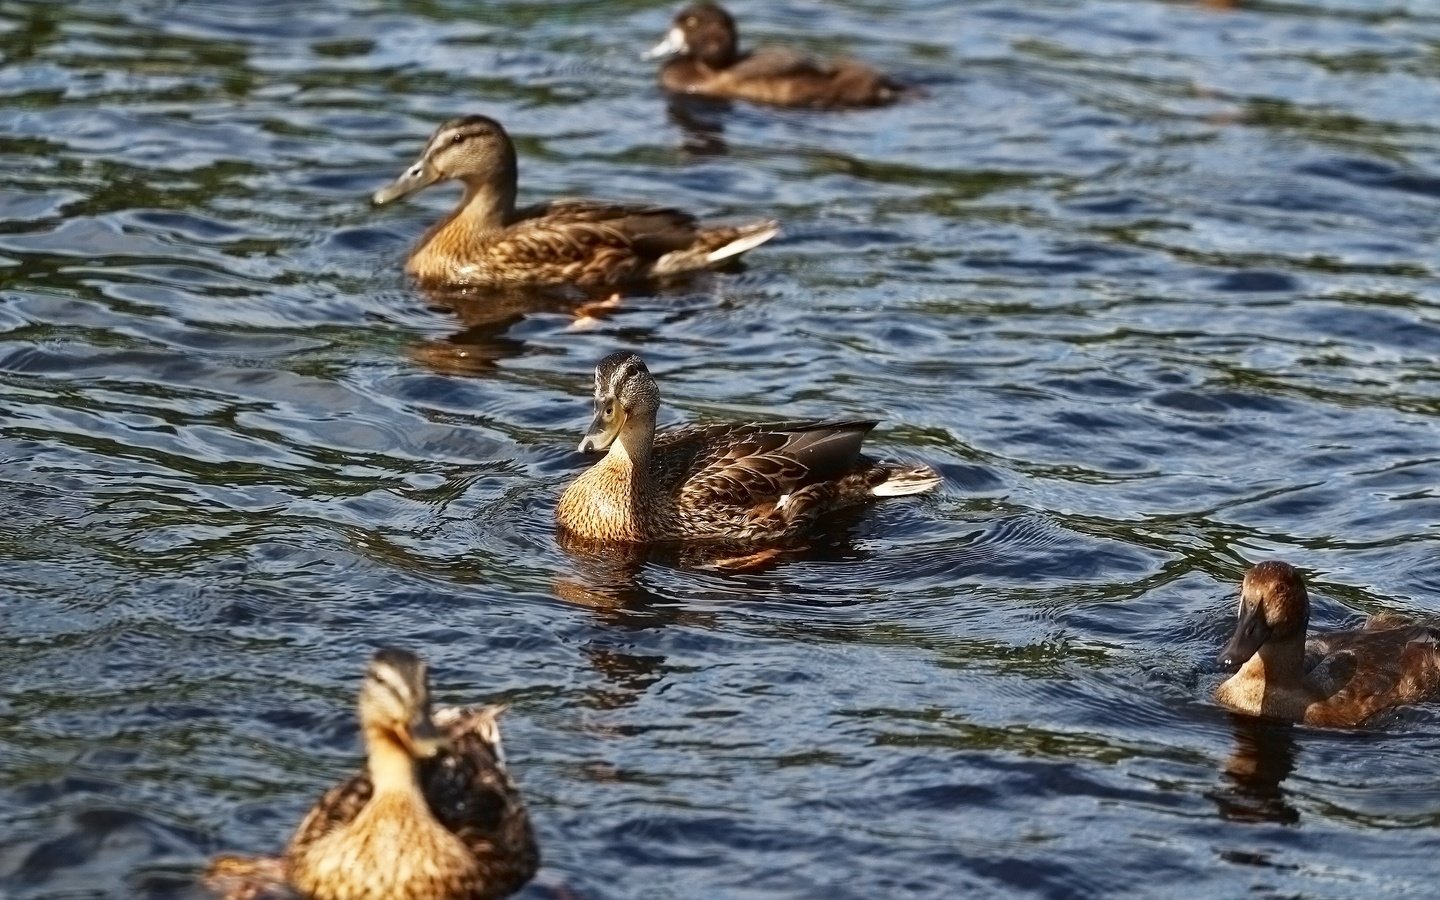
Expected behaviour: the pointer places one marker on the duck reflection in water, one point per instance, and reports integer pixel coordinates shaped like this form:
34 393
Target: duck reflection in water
1252 789
491 316
607 580
702 122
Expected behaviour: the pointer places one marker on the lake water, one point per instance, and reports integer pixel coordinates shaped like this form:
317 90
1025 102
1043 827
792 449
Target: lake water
1153 285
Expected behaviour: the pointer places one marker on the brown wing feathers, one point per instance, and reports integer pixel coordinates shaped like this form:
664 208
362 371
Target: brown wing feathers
759 463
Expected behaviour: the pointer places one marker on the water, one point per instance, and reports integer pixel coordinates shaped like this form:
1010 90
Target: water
1152 284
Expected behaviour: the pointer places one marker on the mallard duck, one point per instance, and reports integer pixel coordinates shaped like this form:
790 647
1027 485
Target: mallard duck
706 60
434 816
581 242
729 482
1335 679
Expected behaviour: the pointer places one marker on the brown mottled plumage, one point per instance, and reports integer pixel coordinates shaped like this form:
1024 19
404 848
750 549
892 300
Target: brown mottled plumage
728 482
705 46
435 816
1338 679
581 242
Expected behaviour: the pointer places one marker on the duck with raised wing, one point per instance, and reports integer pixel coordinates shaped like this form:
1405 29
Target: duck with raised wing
487 240
1334 679
703 46
721 482
434 816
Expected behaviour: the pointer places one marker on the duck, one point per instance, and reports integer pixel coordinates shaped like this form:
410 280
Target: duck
1337 679
486 240
434 815
738 483
703 58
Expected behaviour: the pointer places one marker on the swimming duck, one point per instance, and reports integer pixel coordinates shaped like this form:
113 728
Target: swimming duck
571 241
434 816
707 61
1338 679
727 482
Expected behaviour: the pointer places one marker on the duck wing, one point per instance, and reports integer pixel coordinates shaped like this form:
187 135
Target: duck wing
567 224
469 789
1332 672
773 61
638 216
336 808
754 464
1386 619
1374 669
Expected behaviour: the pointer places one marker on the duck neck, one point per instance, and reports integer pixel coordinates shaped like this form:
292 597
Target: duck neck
391 767
717 57
484 207
629 457
1283 661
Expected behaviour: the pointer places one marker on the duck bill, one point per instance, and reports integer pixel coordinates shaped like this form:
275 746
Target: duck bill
1250 634
599 436
673 44
425 739
417 177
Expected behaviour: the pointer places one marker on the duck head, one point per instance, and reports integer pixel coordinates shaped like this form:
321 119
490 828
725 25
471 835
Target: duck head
474 150
1273 607
703 31
395 704
626 401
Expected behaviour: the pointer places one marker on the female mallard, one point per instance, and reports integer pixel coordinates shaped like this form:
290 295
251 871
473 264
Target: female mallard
734 482
582 242
433 817
707 61
1335 679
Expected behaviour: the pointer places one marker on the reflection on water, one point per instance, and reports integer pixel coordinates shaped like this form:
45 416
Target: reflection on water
491 320
701 122
1152 284
1255 772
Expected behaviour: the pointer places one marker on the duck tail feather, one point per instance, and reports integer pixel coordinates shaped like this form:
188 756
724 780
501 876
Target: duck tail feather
747 238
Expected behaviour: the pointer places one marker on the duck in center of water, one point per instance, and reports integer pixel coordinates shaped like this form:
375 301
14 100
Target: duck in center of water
706 60
721 482
487 240
1335 679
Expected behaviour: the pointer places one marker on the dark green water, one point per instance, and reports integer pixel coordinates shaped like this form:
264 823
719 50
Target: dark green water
1153 285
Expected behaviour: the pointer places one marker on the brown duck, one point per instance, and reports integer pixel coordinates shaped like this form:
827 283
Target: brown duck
1336 679
721 482
705 59
434 816
487 240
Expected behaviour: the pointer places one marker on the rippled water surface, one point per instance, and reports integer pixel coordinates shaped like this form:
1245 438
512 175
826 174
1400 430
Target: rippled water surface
1152 284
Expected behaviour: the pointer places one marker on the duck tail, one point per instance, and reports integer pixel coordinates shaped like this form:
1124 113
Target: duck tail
248 878
901 481
482 723
713 247
724 243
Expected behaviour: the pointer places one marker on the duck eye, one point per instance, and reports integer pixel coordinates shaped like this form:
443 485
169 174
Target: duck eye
457 139
609 410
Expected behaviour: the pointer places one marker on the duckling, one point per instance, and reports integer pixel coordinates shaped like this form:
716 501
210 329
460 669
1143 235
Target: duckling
705 46
723 482
1339 679
434 816
486 240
